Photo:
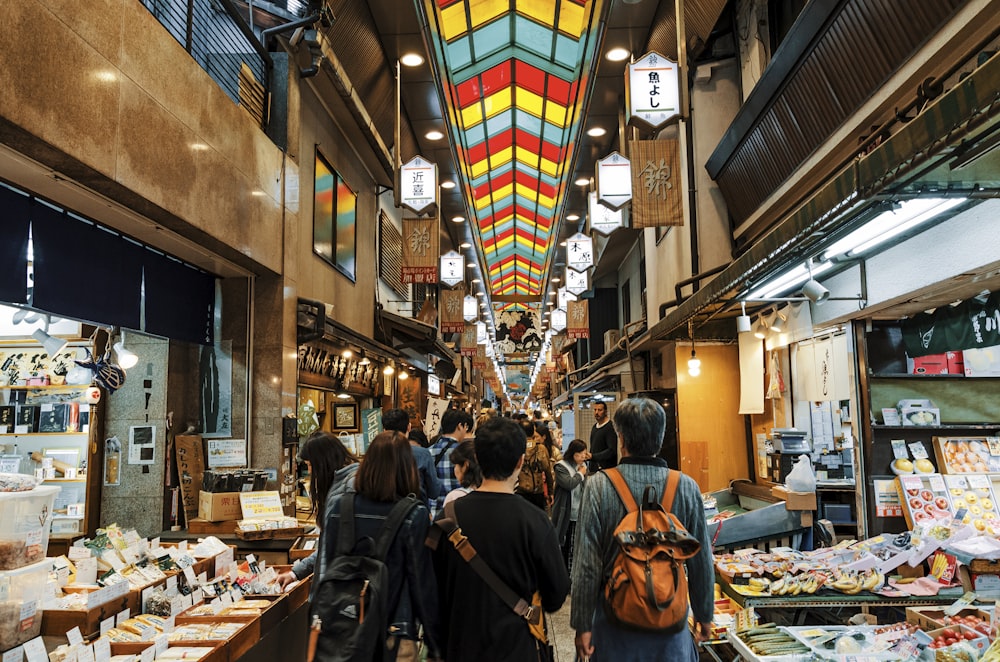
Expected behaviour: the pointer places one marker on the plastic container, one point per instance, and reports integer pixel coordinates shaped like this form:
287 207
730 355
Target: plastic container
21 594
24 526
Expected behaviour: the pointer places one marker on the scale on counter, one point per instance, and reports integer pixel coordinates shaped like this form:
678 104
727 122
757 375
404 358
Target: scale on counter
791 440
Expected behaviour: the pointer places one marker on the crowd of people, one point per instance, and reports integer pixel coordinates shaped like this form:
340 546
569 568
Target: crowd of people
498 518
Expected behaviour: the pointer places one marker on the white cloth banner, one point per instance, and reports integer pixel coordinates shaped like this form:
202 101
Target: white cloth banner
751 374
798 326
436 407
822 370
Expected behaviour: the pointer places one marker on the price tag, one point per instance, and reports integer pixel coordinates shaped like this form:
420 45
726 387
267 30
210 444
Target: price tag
61 566
148 654
980 482
224 559
216 606
162 642
74 637
85 654
176 605
146 592
899 449
28 609
936 482
234 573
33 538
203 578
227 599
182 546
77 553
251 559
189 576
86 570
107 624
147 634
122 616
918 450
186 602
34 650
197 596
14 655
168 625
172 582
102 650
112 559
155 543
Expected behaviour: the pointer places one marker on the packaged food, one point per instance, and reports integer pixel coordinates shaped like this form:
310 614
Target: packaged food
16 482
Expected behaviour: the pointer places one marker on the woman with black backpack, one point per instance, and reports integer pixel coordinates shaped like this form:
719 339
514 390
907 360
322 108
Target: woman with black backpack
374 586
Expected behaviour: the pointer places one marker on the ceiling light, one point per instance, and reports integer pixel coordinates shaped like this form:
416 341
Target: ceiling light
583 181
447 184
562 243
475 280
761 330
412 60
347 353
743 323
388 370
126 357
694 363
778 322
815 292
909 214
465 244
618 54
403 374
555 279
364 360
596 132
573 217
434 135
344 396
457 219
787 280
470 265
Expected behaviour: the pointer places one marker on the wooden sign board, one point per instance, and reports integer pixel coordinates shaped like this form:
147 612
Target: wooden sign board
190 457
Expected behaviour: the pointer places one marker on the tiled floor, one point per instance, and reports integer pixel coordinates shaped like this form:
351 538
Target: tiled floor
562 635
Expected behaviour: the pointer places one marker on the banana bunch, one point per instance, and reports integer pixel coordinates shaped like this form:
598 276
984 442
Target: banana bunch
769 640
759 584
854 583
811 583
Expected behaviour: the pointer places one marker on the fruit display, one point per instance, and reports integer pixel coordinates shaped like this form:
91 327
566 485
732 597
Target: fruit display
924 497
902 466
960 455
924 466
975 494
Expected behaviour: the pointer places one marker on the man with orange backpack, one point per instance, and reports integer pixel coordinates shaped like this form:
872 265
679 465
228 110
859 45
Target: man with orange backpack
643 553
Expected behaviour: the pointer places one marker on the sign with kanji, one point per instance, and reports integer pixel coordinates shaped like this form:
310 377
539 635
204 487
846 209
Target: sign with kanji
614 181
557 320
418 184
579 252
578 319
469 340
452 268
603 219
577 282
421 247
479 358
564 295
470 308
451 311
656 183
652 92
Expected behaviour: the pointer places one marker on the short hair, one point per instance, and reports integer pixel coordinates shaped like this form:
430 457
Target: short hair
388 472
395 419
641 423
575 446
485 415
465 453
600 404
417 435
527 427
453 418
500 445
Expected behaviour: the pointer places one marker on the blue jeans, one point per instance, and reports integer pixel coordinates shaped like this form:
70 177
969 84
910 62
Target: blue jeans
615 644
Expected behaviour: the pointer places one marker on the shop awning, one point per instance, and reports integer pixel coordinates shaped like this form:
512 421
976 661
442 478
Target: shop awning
414 340
313 324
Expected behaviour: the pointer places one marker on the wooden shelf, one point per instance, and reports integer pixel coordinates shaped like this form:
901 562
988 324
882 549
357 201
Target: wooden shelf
931 428
40 434
46 387
65 480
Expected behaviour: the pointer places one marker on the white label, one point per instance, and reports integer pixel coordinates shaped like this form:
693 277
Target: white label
227 599
223 560
147 634
251 558
77 553
122 616
155 543
936 482
33 538
102 650
146 592
186 602
183 546
74 637
189 575
203 578
918 450
85 654
162 642
107 624
216 606
176 605
14 655
197 596
171 582
86 570
28 609
111 558
979 482
130 554
35 651
168 625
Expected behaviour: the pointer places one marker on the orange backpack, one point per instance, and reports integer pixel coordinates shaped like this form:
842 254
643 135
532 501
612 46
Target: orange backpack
646 588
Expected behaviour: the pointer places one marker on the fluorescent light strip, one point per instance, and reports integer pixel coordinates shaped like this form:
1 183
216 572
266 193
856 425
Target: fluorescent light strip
786 281
889 224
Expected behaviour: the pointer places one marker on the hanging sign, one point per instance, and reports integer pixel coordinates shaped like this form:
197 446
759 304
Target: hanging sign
578 319
577 282
656 183
451 311
469 340
421 246
479 358
470 308
562 296
480 332
579 252
558 319
614 180
603 219
452 268
652 91
974 324
418 184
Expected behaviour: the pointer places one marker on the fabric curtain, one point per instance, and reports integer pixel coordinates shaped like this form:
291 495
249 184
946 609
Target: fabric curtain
180 300
16 210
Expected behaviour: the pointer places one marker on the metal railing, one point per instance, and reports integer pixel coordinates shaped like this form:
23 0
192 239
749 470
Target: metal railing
219 39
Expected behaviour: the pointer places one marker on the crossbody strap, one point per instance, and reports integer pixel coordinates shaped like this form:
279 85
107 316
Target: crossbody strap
391 526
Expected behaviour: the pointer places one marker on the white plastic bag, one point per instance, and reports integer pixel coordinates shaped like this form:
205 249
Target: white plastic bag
801 478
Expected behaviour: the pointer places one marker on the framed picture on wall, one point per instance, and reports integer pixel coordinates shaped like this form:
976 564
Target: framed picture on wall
345 416
335 210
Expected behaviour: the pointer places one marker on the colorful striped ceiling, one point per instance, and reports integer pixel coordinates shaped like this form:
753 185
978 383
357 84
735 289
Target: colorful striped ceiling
515 75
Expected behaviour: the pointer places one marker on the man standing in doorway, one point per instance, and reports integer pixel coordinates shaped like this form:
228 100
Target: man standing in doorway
455 426
603 440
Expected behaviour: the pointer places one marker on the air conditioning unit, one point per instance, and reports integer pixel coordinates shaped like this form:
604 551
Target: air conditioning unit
611 338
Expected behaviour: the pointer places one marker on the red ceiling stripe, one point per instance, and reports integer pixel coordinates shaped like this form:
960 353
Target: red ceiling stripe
527 140
501 141
468 92
497 78
477 153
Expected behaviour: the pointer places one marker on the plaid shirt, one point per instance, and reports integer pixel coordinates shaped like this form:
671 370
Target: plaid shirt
445 470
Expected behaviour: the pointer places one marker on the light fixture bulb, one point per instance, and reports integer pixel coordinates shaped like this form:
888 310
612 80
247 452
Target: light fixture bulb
126 357
344 396
694 365
364 360
761 330
403 374
347 353
388 370
778 323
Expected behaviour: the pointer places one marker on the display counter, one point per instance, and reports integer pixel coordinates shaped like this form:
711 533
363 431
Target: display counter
749 514
274 552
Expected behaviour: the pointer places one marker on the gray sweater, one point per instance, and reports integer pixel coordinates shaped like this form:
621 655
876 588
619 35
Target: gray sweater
600 512
343 482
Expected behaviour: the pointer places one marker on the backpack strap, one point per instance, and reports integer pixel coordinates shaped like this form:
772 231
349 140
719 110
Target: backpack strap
624 493
345 529
670 490
390 527
444 450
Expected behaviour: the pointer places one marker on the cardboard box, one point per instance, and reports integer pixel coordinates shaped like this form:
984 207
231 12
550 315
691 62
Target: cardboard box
219 506
932 364
982 362
794 500
956 363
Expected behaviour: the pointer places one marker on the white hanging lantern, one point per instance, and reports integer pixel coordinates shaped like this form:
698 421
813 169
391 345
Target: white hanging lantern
579 252
452 268
558 319
614 180
603 219
418 184
577 282
470 308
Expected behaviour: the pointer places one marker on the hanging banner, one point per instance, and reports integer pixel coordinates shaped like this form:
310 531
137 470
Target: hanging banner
822 370
479 358
563 295
452 268
652 92
614 183
418 184
751 374
436 407
578 319
972 324
451 310
469 340
579 252
557 320
421 245
603 219
656 183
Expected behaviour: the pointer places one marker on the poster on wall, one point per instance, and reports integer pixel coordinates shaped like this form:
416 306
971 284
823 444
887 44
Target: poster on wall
227 453
409 398
436 407
216 379
142 444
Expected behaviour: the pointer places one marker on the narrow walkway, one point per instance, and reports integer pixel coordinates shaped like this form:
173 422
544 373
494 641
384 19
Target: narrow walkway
562 634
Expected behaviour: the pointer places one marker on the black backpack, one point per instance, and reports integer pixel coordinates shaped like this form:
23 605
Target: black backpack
350 603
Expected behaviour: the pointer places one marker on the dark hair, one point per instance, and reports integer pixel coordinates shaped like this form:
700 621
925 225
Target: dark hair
500 444
542 430
388 472
527 427
326 456
453 418
417 435
465 453
641 423
395 419
574 447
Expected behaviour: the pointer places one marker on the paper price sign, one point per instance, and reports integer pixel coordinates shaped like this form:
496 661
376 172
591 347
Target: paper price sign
257 505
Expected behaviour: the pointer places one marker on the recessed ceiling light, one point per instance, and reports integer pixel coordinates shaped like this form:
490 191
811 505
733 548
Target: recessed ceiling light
583 181
470 265
458 219
434 135
596 132
465 244
412 60
476 280
555 279
448 184
618 54
562 243
573 217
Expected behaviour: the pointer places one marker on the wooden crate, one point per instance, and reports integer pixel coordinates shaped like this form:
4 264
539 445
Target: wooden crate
299 595
269 618
271 534
298 552
204 527
219 651
57 622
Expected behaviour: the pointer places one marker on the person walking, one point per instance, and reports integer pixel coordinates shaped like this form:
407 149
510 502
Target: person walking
430 486
515 540
536 482
456 425
603 440
467 470
640 423
570 474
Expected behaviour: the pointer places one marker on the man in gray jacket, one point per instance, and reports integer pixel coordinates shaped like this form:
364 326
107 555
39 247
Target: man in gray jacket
640 423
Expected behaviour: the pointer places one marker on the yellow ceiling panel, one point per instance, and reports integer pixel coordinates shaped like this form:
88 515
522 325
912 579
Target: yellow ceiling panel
484 11
526 156
501 157
503 192
479 169
527 192
530 102
555 114
498 102
453 21
550 168
571 18
471 116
